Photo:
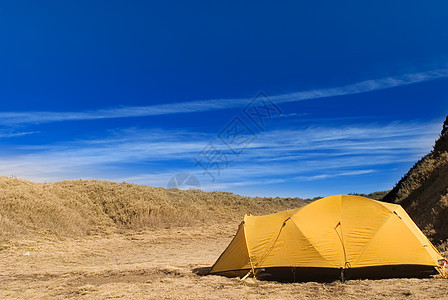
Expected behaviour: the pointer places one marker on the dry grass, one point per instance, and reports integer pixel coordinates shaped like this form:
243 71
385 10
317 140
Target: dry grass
375 195
82 208
416 177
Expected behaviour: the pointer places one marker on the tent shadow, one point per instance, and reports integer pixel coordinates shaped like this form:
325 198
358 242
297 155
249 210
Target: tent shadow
326 275
323 275
279 275
202 271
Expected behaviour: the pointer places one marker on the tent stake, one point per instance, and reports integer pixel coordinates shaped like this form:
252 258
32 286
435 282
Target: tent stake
247 275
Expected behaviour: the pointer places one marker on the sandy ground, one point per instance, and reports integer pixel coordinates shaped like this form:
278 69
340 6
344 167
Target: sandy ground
160 264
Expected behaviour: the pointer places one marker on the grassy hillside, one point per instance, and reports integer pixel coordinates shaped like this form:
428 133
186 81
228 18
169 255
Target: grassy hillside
374 195
423 191
76 208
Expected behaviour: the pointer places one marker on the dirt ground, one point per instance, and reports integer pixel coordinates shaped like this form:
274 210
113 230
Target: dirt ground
163 264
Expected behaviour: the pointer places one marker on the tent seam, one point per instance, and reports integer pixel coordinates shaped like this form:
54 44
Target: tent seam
273 243
312 244
266 254
374 235
248 248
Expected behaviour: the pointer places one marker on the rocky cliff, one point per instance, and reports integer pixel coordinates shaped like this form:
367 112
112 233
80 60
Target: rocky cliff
423 191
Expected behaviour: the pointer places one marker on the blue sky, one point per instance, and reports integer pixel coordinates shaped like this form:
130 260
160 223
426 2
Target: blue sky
349 94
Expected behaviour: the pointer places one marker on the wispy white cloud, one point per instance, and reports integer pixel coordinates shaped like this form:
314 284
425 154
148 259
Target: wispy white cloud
10 134
336 174
153 156
11 118
365 86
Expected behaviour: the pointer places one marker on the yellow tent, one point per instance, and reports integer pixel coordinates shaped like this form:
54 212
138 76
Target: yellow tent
333 236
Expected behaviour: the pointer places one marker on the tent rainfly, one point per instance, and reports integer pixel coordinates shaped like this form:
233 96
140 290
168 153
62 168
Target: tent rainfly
334 237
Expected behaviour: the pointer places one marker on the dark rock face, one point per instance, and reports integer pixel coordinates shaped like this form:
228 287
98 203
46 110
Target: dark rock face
423 191
445 126
441 145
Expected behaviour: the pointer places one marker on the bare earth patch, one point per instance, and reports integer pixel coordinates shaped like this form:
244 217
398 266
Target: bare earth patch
164 264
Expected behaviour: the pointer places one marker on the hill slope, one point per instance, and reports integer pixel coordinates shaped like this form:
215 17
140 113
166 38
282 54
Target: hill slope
423 191
85 207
